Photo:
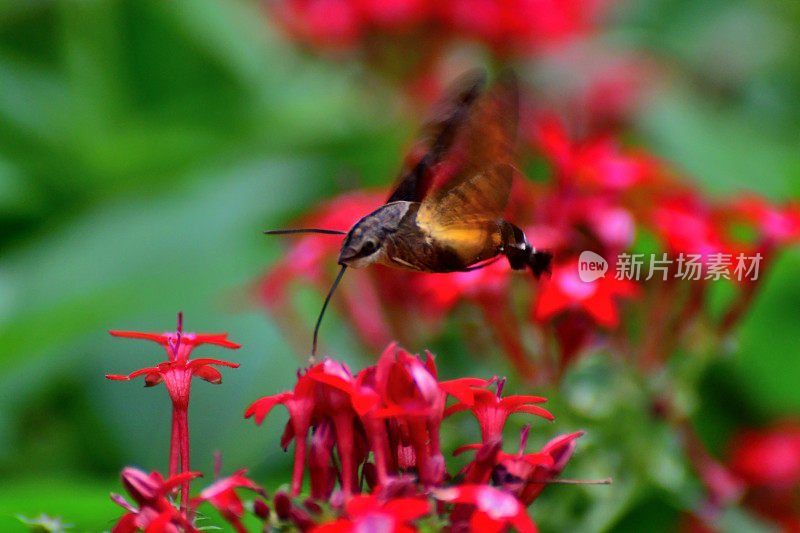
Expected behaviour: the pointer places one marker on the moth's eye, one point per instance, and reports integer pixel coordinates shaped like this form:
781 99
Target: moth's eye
369 247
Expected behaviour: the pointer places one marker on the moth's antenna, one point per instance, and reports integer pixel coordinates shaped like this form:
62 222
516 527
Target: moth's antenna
321 313
304 230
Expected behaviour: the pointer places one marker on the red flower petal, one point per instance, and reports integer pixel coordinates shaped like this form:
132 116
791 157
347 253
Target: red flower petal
407 509
455 409
199 362
218 339
161 338
461 389
465 448
260 408
153 378
498 506
511 402
126 524
535 410
237 480
177 480
122 502
132 374
159 525
210 374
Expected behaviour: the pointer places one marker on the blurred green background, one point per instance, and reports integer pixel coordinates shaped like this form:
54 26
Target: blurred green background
144 146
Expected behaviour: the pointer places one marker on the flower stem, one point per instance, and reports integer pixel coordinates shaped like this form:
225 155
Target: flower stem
183 433
174 446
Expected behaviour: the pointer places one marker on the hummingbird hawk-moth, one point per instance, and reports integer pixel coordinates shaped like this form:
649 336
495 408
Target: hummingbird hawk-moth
444 215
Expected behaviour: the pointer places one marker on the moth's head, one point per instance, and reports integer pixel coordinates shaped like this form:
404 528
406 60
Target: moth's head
363 244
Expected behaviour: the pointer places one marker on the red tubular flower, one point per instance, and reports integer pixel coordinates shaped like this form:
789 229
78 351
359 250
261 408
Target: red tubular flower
177 373
333 401
223 497
369 513
414 400
300 404
525 474
155 513
322 392
559 450
479 470
322 473
394 409
411 395
492 410
495 510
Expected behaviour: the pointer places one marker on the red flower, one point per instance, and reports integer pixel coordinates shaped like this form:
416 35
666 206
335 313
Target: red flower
769 457
328 24
369 513
525 474
687 224
394 14
395 408
411 395
155 513
518 26
492 410
495 510
776 224
560 452
413 401
566 291
440 292
322 473
322 392
597 163
300 404
223 497
177 373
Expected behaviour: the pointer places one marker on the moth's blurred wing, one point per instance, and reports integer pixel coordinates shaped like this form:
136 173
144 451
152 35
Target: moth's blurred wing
465 220
475 201
473 184
437 135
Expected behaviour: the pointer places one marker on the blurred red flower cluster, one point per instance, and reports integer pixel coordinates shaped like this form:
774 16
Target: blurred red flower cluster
761 473
767 461
507 26
378 432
